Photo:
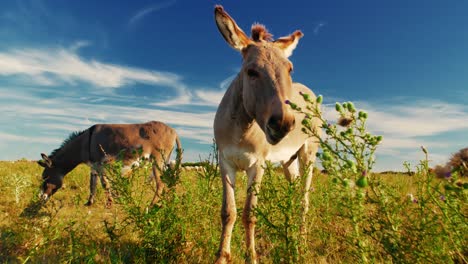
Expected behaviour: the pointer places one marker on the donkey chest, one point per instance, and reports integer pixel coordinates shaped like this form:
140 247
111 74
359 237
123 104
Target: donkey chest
240 158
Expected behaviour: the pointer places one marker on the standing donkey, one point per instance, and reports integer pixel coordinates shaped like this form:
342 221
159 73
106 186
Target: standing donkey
104 142
254 123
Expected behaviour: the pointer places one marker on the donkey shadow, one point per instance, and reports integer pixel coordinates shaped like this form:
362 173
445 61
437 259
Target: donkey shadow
32 210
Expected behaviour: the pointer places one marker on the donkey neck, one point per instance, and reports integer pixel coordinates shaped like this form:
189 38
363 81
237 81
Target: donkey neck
237 108
72 153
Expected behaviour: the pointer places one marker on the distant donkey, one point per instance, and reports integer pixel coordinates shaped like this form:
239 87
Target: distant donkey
254 123
103 142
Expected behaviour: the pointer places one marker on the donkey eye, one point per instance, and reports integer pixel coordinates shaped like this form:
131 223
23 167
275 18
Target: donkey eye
252 73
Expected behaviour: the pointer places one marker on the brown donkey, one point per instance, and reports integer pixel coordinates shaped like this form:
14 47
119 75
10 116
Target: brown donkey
103 142
254 123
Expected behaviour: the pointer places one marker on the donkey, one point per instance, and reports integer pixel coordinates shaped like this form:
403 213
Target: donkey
102 143
254 123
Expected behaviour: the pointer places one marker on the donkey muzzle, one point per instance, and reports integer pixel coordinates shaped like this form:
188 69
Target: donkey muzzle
277 129
44 197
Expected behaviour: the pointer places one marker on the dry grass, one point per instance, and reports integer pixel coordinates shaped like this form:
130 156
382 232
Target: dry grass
67 231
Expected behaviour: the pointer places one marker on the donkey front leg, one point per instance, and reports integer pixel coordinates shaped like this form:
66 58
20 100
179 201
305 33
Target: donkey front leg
92 186
249 220
306 164
228 212
107 187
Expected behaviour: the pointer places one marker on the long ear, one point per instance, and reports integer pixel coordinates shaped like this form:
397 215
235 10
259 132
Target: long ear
289 43
229 29
42 163
46 161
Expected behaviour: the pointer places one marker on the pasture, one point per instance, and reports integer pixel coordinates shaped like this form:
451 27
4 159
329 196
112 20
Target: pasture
379 223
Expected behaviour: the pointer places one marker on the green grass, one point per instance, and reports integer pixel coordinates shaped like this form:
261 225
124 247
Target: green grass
185 227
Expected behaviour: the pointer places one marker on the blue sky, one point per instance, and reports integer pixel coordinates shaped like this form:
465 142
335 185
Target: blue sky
65 65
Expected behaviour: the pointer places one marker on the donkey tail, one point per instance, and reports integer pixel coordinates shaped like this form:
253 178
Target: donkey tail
178 151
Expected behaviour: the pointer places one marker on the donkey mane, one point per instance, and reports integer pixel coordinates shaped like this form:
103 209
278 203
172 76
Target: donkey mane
260 33
70 138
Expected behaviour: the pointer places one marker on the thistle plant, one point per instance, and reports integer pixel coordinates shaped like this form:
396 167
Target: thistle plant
159 226
348 149
16 183
427 226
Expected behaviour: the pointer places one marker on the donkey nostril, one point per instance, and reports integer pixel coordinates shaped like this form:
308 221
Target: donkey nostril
274 123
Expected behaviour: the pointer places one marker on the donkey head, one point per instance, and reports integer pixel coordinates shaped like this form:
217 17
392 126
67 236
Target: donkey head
52 177
265 74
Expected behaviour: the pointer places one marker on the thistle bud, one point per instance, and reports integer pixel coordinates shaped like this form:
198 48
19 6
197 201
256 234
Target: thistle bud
345 183
293 105
362 115
306 97
362 182
379 138
319 99
326 156
350 107
338 107
424 150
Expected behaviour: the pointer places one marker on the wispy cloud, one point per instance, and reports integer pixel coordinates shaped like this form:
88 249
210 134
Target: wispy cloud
409 124
318 27
142 13
199 97
405 124
7 137
418 118
56 66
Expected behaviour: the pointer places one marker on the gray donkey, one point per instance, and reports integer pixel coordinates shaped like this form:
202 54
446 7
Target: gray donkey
102 143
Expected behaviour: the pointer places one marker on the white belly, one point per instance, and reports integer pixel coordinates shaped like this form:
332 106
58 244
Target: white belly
287 147
240 158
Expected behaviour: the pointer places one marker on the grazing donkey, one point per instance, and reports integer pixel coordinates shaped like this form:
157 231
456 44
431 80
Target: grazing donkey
254 123
104 142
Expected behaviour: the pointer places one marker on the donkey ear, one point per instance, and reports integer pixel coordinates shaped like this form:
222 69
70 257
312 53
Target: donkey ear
230 30
46 161
42 163
289 43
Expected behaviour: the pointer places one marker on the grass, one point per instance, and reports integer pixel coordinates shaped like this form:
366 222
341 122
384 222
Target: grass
187 226
355 215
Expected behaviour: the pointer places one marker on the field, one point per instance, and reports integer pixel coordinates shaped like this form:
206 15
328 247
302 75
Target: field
397 218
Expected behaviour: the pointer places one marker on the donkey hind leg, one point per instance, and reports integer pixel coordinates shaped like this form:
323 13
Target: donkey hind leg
291 169
228 211
92 186
306 165
156 175
249 220
106 186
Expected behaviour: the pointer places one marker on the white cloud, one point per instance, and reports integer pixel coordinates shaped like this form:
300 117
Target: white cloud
204 136
199 97
58 65
318 27
148 10
421 118
7 137
406 125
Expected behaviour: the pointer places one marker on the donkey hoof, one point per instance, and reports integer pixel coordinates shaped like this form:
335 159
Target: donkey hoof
224 258
89 203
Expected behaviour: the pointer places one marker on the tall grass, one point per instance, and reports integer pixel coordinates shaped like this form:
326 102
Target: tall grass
355 215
